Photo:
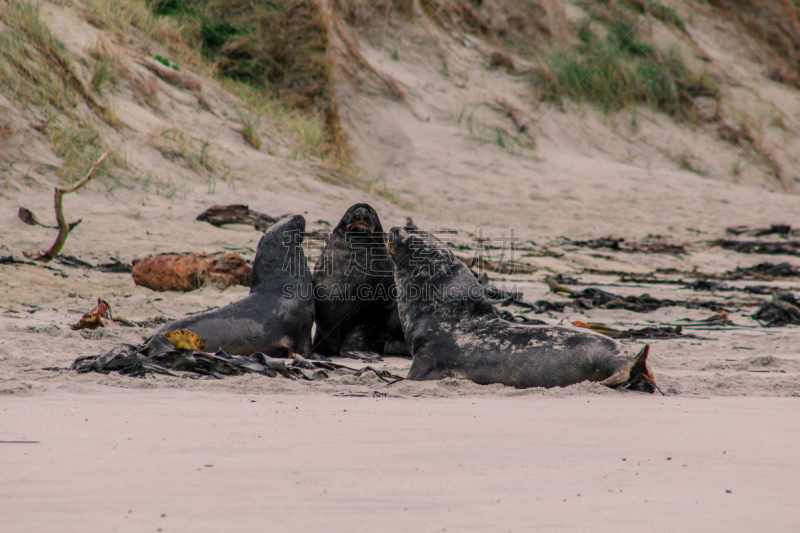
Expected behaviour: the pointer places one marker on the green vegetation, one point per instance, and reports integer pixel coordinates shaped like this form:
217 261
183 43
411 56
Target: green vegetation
251 126
621 70
31 60
37 69
277 47
272 56
105 68
167 63
77 143
658 10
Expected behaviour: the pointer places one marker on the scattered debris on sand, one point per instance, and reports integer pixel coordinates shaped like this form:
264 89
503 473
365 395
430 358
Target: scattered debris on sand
96 318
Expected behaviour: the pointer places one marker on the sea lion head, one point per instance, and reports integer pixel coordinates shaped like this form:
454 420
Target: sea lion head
431 279
410 248
279 253
360 218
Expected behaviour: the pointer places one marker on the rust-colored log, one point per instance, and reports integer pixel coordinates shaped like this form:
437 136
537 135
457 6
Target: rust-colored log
187 272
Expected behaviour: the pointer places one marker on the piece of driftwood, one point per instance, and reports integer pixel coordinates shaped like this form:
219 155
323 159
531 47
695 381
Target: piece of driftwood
219 215
187 272
27 216
552 282
650 332
63 228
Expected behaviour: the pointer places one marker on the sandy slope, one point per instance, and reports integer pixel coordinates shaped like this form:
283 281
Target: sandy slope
440 460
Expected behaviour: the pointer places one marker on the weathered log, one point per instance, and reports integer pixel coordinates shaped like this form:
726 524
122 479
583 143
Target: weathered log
187 272
220 215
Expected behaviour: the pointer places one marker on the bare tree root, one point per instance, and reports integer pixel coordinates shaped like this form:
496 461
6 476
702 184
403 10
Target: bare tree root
63 228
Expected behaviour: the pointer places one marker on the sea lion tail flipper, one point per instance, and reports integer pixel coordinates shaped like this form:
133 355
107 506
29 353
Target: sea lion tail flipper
634 376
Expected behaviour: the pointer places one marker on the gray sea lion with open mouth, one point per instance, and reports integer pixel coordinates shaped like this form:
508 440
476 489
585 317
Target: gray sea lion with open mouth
277 316
453 330
353 285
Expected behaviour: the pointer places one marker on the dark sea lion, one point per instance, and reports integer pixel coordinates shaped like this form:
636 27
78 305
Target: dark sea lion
353 284
453 330
277 315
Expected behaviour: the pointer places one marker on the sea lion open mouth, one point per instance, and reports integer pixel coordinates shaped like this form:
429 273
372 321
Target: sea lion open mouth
361 225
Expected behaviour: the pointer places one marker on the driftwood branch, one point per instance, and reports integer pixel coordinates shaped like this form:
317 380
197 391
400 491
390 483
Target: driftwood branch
27 216
63 227
220 215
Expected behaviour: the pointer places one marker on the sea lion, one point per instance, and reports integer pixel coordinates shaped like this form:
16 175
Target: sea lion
277 315
353 284
453 330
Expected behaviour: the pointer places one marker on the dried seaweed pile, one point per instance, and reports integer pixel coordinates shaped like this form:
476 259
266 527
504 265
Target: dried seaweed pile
653 245
760 247
161 356
784 309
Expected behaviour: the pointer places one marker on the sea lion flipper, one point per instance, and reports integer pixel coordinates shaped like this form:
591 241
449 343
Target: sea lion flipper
634 376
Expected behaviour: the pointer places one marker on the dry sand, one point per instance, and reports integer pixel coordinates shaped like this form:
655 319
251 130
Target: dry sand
213 461
117 453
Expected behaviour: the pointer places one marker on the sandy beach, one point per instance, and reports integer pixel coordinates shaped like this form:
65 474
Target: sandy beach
200 461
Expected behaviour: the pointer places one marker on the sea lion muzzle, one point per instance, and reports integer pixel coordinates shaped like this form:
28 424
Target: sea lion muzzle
361 224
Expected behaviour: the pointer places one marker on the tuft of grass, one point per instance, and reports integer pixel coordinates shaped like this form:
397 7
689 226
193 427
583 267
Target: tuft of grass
272 54
378 187
622 70
658 10
109 115
79 145
686 161
165 187
307 134
198 155
105 67
251 124
146 90
103 72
